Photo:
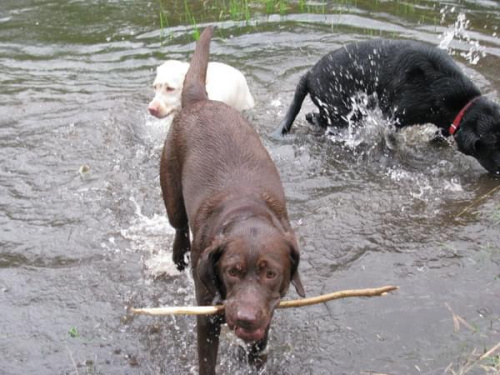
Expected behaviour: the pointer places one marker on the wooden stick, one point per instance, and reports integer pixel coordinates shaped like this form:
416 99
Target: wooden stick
490 352
337 295
478 200
208 310
173 310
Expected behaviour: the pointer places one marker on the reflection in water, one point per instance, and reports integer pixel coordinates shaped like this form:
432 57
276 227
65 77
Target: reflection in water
370 206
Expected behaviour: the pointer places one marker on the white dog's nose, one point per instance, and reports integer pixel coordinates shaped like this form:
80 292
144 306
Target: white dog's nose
154 110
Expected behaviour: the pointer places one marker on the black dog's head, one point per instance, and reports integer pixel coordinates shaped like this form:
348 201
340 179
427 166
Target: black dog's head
479 134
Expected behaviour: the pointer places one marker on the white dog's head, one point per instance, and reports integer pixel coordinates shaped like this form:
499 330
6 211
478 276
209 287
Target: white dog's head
168 88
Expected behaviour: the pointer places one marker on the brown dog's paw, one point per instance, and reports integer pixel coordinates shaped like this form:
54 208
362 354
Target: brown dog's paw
180 262
182 245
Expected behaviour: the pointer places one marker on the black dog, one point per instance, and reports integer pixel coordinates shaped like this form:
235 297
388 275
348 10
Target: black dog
413 83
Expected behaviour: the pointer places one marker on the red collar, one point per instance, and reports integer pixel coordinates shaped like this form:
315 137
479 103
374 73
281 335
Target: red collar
456 123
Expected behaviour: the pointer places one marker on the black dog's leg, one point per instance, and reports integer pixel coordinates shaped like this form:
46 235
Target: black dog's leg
316 119
323 119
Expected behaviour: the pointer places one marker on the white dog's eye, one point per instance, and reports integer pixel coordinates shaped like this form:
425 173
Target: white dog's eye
169 89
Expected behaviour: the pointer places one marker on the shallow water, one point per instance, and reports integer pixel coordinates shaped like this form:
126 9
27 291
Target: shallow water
83 228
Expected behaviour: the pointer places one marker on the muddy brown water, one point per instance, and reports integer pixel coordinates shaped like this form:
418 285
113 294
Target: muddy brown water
80 245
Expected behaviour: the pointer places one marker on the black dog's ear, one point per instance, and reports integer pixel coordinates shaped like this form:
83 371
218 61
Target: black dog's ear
294 261
415 75
207 266
479 146
468 142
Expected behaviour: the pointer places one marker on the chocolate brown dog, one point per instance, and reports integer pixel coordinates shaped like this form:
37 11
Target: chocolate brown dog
219 181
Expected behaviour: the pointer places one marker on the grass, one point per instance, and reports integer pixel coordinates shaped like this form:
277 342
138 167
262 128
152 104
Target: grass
193 13
164 24
191 20
487 363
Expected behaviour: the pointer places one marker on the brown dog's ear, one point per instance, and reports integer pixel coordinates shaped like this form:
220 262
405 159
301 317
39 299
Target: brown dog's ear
207 267
294 261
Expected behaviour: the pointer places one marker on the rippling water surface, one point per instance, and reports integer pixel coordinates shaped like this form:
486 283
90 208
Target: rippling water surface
83 230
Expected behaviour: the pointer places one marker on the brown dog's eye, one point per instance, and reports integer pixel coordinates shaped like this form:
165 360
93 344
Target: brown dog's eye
270 274
232 272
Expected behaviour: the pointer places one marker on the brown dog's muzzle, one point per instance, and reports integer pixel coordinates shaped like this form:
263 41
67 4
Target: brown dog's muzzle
249 323
249 316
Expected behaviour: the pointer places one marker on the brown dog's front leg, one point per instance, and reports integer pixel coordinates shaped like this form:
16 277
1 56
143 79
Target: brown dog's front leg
208 329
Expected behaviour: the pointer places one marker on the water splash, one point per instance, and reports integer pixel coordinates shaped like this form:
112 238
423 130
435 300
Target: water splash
459 31
148 235
155 130
405 156
366 126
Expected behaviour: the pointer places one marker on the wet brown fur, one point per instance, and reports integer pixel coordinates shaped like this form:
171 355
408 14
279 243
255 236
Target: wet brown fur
219 182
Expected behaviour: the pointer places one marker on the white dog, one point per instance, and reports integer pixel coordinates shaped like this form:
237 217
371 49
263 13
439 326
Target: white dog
224 83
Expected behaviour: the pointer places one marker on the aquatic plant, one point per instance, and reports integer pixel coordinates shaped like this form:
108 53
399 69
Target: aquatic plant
191 20
487 363
164 24
193 13
73 332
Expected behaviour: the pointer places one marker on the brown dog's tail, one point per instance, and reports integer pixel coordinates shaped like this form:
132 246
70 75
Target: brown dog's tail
194 84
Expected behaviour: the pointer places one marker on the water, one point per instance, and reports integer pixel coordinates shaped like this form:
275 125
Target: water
83 229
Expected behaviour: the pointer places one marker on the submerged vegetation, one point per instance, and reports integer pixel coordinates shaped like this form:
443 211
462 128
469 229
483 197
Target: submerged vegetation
487 363
234 10
194 13
253 13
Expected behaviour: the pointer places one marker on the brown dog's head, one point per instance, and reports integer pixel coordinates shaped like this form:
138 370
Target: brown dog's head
251 267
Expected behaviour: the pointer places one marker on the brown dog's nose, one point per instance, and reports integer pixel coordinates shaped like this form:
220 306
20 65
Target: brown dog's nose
248 318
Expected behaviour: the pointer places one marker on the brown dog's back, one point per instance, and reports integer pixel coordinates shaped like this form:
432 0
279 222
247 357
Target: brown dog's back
219 149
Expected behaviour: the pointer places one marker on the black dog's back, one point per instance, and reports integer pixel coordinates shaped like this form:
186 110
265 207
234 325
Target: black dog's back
414 83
